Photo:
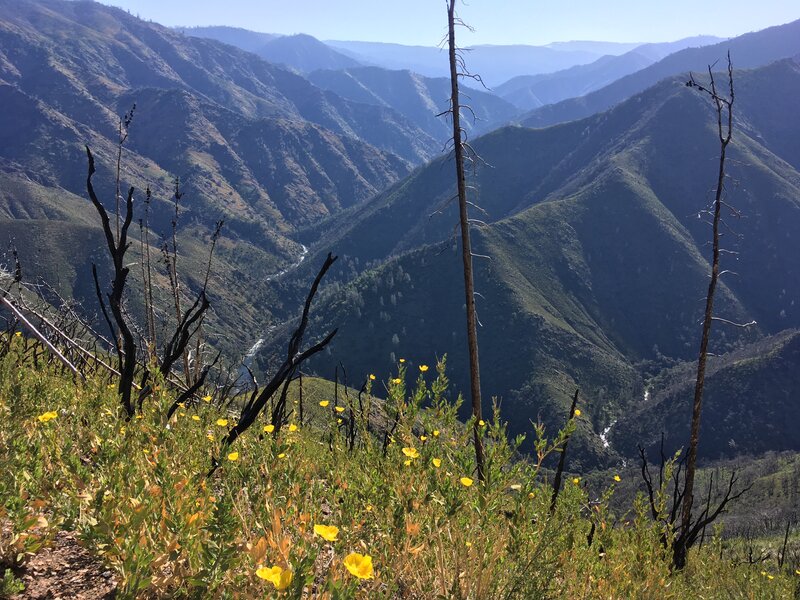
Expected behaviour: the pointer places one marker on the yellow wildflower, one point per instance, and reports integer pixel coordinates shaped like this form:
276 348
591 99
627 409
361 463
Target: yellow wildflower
340 409
233 456
18 333
481 423
282 455
206 398
371 377
577 412
617 478
280 578
269 428
435 433
407 462
222 422
48 416
576 480
327 532
437 462
466 481
292 427
422 438
324 403
411 452
359 565
423 368
397 381
402 360
195 418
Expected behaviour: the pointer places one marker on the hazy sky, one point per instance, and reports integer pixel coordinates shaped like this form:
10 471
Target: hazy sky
496 21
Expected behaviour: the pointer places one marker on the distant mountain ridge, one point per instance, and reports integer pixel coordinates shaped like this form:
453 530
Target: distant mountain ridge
420 99
748 51
299 52
533 91
495 64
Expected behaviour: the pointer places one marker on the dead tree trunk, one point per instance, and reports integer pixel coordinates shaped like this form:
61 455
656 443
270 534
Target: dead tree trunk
126 353
466 244
562 461
724 110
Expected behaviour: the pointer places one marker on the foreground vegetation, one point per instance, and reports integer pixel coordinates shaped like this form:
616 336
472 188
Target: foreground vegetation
300 514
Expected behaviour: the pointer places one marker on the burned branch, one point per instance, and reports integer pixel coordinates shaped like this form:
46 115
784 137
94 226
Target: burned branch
295 357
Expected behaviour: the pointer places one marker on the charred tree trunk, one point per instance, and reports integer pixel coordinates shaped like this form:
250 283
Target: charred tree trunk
466 244
126 352
722 106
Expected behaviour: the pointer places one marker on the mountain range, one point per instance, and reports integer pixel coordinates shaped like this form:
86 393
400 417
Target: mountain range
593 257
534 91
597 260
748 51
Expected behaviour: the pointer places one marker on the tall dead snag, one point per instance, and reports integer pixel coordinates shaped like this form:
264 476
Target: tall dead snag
466 244
288 369
126 346
724 109
562 461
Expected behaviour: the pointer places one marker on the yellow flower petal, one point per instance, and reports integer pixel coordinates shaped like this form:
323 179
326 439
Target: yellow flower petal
195 418
222 422
423 368
206 398
411 452
576 480
402 360
48 416
371 377
397 381
437 462
359 565
435 433
293 427
324 403
233 456
269 428
327 532
617 478
466 481
577 412
340 409
280 578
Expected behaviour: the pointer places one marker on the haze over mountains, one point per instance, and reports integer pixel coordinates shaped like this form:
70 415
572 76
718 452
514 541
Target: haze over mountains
597 257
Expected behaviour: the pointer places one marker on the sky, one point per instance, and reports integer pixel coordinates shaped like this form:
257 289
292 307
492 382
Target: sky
422 22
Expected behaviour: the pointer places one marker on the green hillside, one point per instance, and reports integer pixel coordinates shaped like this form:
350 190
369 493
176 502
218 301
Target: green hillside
597 259
750 399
